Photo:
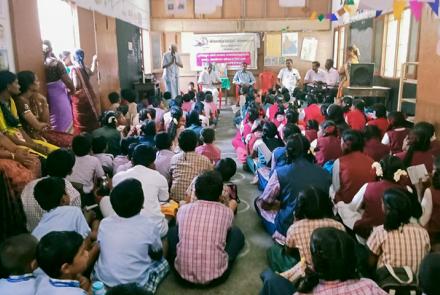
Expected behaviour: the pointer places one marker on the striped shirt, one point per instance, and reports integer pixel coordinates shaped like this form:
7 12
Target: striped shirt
184 167
299 233
241 77
405 246
203 227
32 209
350 287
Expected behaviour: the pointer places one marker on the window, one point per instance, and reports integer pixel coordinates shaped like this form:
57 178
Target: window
397 36
339 47
57 27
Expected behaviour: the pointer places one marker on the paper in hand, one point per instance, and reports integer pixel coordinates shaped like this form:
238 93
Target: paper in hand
417 172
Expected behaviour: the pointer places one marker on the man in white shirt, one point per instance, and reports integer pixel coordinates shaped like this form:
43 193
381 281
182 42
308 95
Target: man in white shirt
289 77
210 82
331 74
171 63
315 74
154 185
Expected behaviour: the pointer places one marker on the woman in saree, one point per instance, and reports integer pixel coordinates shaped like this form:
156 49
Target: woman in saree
352 57
58 81
85 104
33 111
18 165
9 121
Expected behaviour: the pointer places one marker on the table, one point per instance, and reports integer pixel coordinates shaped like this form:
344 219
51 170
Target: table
375 91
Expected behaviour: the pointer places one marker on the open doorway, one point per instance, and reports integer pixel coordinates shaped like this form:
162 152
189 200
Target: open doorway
57 24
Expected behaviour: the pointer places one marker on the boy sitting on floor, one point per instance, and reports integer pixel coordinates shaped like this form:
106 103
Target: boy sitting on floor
99 148
50 194
209 149
17 262
131 248
207 220
62 255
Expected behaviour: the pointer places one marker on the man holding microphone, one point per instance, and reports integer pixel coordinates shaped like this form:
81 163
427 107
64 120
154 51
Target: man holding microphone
171 63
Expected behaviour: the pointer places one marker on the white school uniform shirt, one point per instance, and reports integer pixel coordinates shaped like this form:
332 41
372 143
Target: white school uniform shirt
289 79
124 244
18 285
155 188
59 287
207 79
85 171
105 159
63 218
313 76
171 72
332 77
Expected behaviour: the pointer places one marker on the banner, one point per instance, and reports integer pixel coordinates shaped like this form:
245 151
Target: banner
230 49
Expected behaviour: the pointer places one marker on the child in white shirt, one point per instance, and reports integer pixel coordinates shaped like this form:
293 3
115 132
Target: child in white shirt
87 168
63 256
17 260
50 195
130 242
99 148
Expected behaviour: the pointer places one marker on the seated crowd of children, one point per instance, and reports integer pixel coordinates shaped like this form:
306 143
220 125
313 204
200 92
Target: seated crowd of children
341 180
123 205
350 196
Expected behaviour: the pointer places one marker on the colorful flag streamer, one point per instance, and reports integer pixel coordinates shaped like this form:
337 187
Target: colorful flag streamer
378 13
341 11
398 8
435 6
321 17
416 9
314 15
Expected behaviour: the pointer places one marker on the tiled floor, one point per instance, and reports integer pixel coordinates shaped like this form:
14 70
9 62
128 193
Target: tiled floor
245 276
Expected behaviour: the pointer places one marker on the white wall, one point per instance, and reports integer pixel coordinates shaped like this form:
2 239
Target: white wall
6 49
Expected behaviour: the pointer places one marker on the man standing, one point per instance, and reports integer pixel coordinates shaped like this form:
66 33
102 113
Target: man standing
315 74
289 77
210 81
171 63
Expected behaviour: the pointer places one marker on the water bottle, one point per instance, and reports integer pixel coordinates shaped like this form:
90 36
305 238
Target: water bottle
98 288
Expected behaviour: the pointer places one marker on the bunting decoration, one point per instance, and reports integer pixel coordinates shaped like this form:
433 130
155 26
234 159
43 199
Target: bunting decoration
434 6
397 7
416 9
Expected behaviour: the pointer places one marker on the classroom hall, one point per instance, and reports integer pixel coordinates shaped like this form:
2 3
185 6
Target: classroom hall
271 147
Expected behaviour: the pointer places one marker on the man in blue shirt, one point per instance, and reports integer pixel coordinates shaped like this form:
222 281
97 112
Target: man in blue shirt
243 78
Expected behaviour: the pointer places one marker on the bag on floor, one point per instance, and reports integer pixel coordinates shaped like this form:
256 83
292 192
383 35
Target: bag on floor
278 260
397 280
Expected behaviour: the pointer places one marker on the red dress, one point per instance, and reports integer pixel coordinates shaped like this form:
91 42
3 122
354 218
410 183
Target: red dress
396 139
313 112
372 204
376 150
426 158
327 148
354 172
84 103
381 123
311 135
433 225
356 119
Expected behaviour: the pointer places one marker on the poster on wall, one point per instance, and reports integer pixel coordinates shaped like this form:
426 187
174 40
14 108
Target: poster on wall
175 6
289 44
156 52
309 49
4 64
230 49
